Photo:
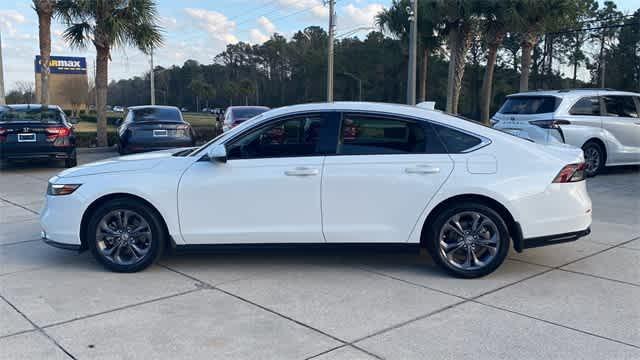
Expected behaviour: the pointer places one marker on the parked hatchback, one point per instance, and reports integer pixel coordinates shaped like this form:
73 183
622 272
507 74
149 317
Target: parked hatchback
604 123
33 132
330 174
147 128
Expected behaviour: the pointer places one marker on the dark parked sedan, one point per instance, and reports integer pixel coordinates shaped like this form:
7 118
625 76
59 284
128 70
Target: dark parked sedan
148 128
31 131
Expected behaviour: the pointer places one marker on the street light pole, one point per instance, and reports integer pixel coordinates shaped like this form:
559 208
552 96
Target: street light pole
413 44
2 100
330 52
153 83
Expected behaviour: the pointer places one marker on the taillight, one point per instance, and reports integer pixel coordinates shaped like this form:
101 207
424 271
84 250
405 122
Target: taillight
550 124
3 134
571 173
58 131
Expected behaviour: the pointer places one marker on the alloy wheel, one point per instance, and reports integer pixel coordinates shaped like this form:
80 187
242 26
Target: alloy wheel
123 237
469 240
591 159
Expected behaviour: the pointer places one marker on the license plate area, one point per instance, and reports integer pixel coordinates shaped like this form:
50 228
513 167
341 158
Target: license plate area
160 133
29 137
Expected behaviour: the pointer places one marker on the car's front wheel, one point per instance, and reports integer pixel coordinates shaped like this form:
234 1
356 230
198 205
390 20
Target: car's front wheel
125 235
468 240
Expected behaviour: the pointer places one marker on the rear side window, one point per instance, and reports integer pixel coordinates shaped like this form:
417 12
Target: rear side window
374 135
586 106
456 141
620 106
526 105
155 114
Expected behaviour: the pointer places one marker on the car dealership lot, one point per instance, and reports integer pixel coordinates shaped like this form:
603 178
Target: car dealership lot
575 300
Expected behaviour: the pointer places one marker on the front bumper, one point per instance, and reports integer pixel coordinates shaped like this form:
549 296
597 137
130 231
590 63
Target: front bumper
59 245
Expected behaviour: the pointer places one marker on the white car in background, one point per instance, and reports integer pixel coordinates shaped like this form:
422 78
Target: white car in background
604 123
330 174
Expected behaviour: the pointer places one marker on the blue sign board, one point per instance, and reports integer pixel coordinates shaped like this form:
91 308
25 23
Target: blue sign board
63 65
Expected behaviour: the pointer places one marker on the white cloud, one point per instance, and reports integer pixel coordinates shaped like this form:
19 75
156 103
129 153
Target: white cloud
257 37
168 22
266 24
216 24
9 19
316 7
352 16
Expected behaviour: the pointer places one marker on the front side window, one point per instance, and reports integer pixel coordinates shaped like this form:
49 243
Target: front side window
372 135
587 106
620 106
294 137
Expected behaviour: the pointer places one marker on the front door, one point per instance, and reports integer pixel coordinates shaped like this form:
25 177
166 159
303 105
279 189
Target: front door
385 172
267 192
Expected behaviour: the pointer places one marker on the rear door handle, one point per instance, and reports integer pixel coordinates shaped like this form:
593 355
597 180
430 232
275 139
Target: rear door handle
302 171
422 169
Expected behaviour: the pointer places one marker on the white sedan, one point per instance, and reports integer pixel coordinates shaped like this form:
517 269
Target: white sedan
336 173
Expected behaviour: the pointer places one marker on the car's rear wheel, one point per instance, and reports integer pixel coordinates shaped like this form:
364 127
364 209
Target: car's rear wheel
125 235
593 158
468 240
71 161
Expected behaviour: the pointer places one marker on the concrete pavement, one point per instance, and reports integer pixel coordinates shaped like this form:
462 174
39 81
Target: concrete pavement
572 301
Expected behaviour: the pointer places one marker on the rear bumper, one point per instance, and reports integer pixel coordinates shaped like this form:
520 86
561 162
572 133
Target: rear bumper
133 146
10 152
519 243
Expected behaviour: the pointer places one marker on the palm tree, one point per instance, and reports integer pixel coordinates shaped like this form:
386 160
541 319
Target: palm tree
395 20
460 22
107 24
496 21
45 10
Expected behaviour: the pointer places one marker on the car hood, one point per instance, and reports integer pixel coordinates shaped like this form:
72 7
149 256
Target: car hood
134 162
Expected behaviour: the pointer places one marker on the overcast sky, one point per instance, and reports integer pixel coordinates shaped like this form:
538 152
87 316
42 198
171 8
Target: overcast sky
194 29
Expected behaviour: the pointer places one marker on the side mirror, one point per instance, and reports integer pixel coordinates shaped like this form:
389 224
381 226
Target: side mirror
217 153
118 122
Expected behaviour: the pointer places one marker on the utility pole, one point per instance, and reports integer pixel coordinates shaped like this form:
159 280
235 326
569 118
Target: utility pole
153 83
330 52
412 10
2 101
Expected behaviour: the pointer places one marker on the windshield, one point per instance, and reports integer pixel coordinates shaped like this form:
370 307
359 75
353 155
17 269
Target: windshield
156 114
224 135
527 105
245 113
49 116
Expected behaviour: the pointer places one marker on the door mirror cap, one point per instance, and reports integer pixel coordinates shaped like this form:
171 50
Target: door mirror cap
217 153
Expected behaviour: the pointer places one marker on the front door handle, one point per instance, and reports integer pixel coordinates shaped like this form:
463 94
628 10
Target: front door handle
422 169
302 171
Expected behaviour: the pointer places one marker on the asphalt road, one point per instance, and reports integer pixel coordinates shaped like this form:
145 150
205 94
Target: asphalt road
578 300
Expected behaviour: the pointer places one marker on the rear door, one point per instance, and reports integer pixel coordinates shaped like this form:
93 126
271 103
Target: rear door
622 120
384 174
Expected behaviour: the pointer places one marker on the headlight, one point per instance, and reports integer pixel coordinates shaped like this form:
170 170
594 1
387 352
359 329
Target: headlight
61 189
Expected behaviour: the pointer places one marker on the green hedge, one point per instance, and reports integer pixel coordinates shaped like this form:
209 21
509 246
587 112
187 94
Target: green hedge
94 119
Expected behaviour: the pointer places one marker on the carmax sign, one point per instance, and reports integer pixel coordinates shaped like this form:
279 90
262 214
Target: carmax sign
63 65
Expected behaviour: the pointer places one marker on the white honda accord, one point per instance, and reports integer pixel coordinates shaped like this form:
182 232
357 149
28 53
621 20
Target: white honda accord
331 174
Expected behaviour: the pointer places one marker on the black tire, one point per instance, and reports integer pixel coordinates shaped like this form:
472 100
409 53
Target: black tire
151 217
594 155
467 210
71 161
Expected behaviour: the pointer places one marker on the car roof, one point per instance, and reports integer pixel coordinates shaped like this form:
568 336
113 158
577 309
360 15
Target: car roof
152 106
28 106
563 93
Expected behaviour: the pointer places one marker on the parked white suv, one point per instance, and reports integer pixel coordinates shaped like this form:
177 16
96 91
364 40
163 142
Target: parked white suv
604 123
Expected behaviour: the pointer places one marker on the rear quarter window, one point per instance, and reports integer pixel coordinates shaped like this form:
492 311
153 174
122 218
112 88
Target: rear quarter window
527 105
587 106
456 141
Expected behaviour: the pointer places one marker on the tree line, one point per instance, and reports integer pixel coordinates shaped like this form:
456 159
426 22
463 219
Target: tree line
472 54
